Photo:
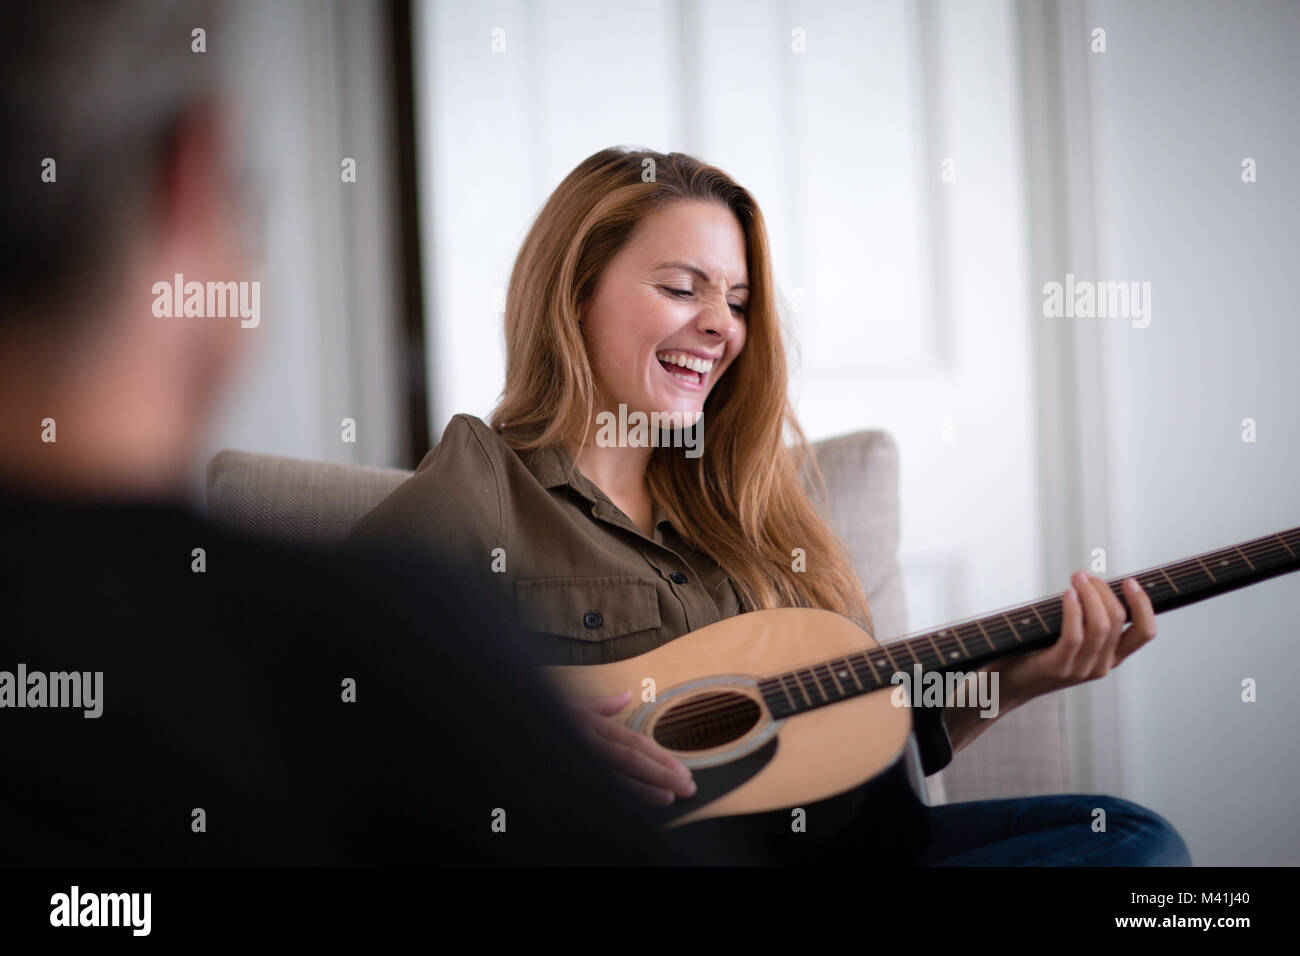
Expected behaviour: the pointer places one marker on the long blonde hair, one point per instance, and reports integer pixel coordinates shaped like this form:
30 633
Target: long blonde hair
742 502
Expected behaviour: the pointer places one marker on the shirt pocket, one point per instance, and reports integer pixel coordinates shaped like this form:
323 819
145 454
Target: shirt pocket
588 609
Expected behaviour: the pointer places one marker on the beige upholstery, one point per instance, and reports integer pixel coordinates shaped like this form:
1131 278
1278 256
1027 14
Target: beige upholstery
1023 753
308 501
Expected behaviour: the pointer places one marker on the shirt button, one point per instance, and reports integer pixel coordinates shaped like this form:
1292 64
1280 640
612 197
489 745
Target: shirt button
592 619
678 577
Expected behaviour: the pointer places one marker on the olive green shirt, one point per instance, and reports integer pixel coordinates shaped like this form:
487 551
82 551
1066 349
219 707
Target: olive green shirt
591 584
584 580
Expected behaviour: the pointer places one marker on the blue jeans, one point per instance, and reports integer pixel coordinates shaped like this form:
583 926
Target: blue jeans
1054 830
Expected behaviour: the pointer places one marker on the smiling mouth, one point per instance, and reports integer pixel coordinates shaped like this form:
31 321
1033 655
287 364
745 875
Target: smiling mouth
687 369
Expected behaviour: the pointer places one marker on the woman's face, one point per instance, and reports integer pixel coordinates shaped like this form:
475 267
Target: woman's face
668 315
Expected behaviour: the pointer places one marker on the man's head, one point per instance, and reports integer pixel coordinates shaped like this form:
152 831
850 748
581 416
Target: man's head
116 177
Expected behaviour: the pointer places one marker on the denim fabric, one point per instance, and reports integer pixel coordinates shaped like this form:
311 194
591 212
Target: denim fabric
1054 830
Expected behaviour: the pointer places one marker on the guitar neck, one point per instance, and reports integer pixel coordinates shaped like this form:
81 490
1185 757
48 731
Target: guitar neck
964 645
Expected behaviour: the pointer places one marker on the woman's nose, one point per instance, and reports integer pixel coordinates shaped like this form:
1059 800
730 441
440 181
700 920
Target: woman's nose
717 318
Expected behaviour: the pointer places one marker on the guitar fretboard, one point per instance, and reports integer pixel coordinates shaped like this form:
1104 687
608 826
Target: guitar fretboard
964 645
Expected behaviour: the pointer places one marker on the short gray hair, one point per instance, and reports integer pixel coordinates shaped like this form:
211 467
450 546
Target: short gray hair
98 86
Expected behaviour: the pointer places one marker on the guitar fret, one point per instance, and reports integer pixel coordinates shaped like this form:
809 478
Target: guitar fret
835 684
849 667
802 689
879 664
1170 580
790 697
1013 629
957 638
863 677
815 682
927 653
1225 561
874 677
949 650
1023 620
1046 629
1285 545
927 659
962 640
907 646
992 646
996 628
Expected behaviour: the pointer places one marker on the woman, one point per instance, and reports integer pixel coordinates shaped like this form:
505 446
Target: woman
645 286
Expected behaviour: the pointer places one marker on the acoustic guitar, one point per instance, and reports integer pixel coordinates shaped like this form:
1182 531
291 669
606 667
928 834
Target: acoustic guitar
793 708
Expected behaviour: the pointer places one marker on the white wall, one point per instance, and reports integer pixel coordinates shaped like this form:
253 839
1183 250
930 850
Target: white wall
1183 93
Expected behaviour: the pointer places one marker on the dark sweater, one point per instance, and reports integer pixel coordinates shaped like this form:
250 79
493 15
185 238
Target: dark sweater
223 690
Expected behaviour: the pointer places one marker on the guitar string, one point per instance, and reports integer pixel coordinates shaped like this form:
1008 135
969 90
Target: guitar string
710 708
1183 570
999 630
1189 572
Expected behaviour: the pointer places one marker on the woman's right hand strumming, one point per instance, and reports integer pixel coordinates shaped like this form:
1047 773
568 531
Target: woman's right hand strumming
650 770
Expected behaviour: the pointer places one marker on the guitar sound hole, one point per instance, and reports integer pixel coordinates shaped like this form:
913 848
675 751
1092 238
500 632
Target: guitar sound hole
707 721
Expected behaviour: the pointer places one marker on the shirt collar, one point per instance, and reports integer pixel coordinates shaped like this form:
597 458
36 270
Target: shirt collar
550 466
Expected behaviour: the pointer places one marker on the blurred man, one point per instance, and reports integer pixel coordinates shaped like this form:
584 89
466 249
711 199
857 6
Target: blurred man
169 692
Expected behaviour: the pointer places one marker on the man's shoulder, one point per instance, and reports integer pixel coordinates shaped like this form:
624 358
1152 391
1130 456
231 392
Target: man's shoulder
124 560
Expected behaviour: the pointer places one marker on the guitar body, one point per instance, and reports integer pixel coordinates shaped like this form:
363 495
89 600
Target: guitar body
836 763
792 708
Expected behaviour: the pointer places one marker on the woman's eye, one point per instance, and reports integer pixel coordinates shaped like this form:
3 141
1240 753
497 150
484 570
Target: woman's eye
739 310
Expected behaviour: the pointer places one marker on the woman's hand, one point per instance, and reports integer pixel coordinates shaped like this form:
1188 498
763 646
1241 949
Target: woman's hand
1093 640
648 768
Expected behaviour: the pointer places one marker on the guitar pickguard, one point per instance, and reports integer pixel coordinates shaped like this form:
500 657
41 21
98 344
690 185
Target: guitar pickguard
713 782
